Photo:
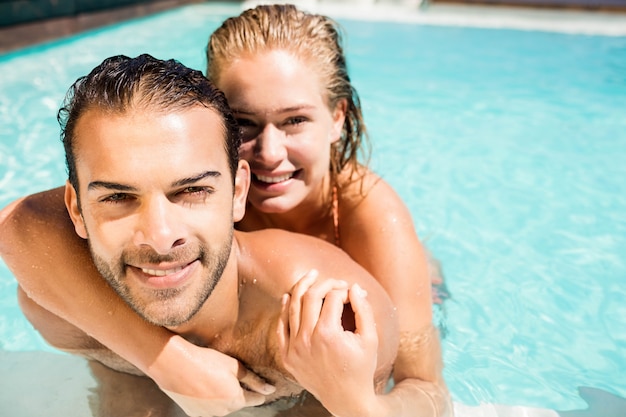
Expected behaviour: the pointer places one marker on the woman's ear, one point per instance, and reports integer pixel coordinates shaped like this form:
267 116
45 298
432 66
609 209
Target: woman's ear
339 117
242 184
73 208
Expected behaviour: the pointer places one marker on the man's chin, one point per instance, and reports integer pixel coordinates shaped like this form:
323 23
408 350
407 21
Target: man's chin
163 311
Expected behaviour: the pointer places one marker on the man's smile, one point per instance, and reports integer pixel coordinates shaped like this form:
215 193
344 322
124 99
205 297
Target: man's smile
161 272
164 277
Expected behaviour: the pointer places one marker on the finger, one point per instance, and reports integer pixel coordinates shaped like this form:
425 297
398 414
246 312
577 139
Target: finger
330 292
253 399
305 282
307 298
364 315
253 382
314 299
295 304
326 285
310 309
282 329
332 310
310 281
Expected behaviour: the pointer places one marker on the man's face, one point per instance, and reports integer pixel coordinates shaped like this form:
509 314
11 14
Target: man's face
157 205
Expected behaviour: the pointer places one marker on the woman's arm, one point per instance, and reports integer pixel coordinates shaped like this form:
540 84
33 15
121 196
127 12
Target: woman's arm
353 358
53 267
378 232
347 377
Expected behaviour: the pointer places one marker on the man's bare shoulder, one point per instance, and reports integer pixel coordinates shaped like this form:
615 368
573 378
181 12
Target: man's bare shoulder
276 260
266 248
278 235
282 257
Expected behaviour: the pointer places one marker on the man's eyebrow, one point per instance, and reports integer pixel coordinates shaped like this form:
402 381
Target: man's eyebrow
195 178
110 186
114 186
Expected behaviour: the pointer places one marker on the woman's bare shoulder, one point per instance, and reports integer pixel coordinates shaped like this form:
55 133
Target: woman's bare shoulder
42 204
32 216
368 197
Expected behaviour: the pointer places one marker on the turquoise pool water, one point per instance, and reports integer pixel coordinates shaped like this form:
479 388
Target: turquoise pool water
509 147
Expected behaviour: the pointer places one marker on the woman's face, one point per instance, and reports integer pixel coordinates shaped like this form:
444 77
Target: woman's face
279 102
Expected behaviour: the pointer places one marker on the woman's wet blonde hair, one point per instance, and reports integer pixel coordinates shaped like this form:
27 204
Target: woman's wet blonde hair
311 37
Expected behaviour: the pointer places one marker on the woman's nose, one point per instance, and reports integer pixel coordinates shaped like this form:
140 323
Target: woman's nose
270 145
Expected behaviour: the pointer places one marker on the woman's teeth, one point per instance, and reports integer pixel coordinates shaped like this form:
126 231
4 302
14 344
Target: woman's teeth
273 180
161 272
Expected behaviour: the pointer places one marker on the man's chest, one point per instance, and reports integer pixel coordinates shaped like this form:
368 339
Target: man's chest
255 345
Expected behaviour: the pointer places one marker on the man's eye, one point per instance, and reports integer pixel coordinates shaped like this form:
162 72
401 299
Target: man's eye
197 191
193 195
115 198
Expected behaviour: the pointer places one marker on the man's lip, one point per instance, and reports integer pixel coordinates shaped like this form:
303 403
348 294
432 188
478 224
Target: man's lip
162 277
161 272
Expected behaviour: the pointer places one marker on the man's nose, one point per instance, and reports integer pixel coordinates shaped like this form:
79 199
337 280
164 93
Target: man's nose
159 226
270 145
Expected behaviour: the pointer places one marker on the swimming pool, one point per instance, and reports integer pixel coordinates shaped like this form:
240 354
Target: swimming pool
509 148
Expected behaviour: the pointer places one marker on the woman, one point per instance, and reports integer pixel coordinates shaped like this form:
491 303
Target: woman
284 74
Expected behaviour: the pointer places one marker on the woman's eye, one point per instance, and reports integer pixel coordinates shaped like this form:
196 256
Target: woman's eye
245 123
249 129
294 121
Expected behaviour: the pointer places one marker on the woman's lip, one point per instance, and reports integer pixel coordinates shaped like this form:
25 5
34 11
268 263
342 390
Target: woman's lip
270 182
274 179
163 278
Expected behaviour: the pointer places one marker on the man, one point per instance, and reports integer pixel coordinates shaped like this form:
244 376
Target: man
154 186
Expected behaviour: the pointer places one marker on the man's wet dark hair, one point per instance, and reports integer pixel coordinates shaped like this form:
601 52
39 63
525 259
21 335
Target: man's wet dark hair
120 84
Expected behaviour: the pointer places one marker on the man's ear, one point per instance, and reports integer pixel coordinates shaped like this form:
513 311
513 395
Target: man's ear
242 184
71 202
339 117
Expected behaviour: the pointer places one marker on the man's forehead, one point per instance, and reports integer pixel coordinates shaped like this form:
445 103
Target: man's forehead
182 139
139 107
208 121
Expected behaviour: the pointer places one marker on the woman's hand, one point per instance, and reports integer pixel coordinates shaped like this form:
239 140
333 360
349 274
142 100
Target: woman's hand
205 382
335 364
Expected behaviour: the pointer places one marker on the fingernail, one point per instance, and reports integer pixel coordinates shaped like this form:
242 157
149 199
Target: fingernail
268 389
359 291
